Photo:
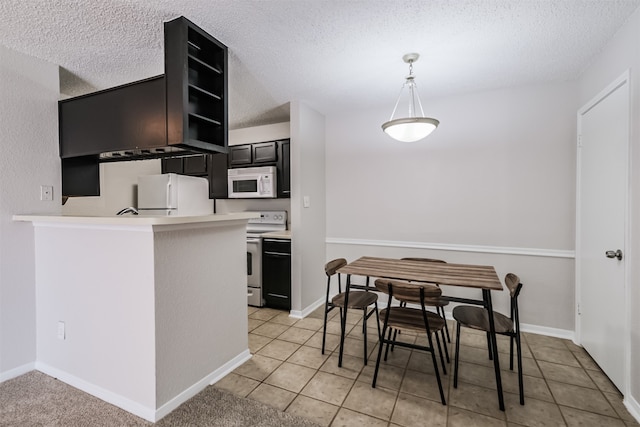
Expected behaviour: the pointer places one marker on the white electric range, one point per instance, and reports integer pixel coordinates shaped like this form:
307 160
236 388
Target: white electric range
269 221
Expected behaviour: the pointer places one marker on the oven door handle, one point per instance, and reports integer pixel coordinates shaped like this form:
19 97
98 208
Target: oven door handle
253 240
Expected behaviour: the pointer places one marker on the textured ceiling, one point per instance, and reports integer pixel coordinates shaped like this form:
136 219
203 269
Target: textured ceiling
336 55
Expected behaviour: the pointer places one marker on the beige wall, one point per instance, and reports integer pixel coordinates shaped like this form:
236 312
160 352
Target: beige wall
307 223
494 184
29 140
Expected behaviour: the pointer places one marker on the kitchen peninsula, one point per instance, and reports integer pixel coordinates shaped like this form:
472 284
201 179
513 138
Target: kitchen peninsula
141 311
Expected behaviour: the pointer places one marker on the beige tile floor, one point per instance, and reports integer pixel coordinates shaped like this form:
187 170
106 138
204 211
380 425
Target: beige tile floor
563 386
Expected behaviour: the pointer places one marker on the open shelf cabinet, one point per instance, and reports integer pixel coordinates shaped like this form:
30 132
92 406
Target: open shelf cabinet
196 87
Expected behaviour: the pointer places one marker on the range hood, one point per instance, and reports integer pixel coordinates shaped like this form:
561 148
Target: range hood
181 112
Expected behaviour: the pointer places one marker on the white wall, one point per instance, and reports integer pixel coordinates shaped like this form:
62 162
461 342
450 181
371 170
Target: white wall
29 140
100 282
623 53
494 184
153 314
308 225
263 133
118 188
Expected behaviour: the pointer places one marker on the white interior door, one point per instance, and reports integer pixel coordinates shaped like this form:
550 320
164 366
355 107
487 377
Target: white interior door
603 153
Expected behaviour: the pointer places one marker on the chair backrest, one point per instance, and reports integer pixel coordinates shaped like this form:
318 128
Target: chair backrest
513 284
423 259
407 291
332 266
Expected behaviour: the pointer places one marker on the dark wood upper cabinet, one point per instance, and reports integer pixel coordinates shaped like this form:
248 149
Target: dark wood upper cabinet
183 112
264 152
271 153
218 188
172 165
240 155
196 85
121 121
284 169
195 165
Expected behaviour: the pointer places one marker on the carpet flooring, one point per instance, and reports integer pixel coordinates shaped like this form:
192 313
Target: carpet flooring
36 399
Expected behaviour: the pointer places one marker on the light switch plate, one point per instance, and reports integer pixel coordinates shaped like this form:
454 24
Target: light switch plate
306 202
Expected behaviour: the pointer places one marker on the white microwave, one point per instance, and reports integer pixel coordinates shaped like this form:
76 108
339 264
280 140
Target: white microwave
251 183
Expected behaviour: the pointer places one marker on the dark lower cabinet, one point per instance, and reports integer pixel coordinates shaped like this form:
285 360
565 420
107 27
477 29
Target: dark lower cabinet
276 273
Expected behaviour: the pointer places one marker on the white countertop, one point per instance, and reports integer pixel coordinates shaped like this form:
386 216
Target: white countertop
286 234
135 219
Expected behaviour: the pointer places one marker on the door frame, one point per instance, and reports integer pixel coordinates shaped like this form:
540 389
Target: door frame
616 84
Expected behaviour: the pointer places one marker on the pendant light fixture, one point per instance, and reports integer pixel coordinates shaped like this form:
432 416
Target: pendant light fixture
415 126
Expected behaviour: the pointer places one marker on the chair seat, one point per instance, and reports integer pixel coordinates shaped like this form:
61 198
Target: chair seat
356 299
477 318
411 319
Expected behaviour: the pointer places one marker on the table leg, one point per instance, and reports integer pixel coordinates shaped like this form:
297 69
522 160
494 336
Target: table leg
343 320
486 294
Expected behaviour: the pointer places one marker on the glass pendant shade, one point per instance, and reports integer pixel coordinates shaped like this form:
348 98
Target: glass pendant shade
414 126
410 129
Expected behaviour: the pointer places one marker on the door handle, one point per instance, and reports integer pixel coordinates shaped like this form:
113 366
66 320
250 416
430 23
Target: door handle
614 254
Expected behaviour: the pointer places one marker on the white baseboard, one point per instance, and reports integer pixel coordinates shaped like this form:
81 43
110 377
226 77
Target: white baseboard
301 314
108 396
551 332
196 388
149 414
16 372
228 367
632 406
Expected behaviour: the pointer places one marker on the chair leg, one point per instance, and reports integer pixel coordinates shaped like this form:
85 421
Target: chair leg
364 323
377 319
446 327
511 338
489 345
435 366
444 368
395 337
520 377
380 344
324 328
446 350
386 351
457 356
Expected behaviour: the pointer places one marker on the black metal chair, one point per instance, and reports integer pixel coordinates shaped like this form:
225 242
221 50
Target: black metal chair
438 303
413 319
359 300
478 318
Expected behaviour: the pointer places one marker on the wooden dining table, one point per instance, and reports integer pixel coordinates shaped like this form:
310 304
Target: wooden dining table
481 277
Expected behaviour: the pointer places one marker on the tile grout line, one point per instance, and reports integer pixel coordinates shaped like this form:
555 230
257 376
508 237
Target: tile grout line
528 344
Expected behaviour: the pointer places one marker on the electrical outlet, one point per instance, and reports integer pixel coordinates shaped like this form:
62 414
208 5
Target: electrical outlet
46 193
61 331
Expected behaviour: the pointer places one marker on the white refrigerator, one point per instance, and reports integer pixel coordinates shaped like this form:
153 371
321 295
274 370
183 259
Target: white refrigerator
173 194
